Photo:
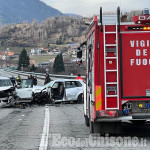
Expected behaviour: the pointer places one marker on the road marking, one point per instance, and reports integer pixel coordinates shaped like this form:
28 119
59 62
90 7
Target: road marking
44 138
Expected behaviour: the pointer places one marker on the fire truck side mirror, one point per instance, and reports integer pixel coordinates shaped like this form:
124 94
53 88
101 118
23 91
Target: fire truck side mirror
79 52
101 19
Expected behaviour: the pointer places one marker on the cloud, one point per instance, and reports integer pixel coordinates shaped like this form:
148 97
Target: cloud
91 7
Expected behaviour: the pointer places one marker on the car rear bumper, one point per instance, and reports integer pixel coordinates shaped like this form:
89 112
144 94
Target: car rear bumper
143 116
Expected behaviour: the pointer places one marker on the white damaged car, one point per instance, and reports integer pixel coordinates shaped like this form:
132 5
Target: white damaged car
7 92
59 91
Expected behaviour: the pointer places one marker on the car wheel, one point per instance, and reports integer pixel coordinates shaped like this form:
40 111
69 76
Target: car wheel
80 99
32 100
23 106
75 101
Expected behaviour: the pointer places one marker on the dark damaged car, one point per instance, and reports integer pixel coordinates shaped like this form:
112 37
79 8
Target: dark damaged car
7 92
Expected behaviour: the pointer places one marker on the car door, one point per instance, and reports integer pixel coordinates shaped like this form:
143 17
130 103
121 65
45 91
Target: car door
56 91
53 89
71 90
25 92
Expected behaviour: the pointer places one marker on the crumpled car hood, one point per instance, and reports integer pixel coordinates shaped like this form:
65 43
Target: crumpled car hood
24 93
5 88
37 88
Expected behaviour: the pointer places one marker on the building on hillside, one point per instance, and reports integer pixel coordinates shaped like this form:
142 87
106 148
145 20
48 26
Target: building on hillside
44 49
55 51
43 64
2 56
38 51
6 54
35 51
72 50
9 53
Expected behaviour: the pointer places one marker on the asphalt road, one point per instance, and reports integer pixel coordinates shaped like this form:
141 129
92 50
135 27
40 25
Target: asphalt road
61 127
21 129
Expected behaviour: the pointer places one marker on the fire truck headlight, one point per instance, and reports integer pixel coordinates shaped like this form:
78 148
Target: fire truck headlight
140 105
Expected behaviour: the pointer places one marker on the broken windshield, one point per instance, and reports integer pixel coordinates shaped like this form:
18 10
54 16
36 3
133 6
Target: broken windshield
5 82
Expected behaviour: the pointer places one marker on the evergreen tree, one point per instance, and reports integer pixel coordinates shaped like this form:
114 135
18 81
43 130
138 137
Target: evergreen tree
23 60
59 41
33 68
58 64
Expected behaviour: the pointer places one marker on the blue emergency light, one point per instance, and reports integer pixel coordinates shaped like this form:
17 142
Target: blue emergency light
126 111
148 105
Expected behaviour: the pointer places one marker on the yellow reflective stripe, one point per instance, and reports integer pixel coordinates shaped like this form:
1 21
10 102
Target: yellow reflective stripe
98 98
98 104
98 91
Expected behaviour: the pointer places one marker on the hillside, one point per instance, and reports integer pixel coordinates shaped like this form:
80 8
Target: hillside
18 11
55 30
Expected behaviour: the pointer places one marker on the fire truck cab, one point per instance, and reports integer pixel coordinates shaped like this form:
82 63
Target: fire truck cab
118 71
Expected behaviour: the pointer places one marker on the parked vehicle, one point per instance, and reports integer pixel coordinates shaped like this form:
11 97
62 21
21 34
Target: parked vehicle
59 91
118 74
7 92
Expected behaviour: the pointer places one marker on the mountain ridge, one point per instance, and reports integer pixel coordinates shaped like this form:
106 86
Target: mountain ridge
18 11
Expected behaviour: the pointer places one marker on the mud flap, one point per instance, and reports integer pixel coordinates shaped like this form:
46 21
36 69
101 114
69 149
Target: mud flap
106 128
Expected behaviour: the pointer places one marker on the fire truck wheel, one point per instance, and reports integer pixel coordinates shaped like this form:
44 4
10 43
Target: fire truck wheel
90 122
80 98
91 126
104 128
94 127
87 121
109 128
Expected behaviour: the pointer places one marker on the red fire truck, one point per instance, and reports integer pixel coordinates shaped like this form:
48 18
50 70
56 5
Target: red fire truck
118 71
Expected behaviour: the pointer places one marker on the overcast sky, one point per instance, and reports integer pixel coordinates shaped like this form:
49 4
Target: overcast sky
90 7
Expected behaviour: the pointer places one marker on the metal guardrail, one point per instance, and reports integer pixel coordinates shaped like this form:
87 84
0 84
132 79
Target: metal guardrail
42 75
